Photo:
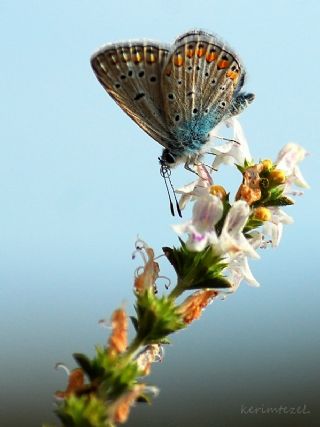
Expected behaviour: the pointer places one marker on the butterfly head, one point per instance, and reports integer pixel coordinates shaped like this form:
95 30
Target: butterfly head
167 159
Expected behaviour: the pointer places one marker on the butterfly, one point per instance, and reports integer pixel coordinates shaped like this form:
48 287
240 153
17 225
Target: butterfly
176 93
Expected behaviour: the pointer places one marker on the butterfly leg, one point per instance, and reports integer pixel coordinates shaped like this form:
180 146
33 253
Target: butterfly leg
191 164
239 103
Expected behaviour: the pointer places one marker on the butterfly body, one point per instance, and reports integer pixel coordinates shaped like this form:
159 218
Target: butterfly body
176 93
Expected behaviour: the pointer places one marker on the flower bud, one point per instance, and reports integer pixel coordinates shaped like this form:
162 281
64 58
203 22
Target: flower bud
278 176
262 214
267 165
219 191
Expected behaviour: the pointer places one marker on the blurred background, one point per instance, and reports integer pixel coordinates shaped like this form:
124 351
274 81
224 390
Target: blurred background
79 181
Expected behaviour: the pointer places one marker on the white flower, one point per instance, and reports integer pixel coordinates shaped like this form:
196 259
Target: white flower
207 211
196 188
238 268
288 159
274 227
232 239
233 151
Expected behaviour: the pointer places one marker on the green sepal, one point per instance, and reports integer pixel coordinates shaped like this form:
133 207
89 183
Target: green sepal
251 224
217 283
157 317
144 398
164 341
83 411
275 192
281 201
197 270
116 373
246 164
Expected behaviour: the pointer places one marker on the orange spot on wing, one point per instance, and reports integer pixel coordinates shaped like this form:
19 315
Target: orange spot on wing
178 60
189 53
211 56
222 64
232 74
200 52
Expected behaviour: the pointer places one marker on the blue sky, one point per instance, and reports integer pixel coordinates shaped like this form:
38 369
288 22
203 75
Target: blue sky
79 181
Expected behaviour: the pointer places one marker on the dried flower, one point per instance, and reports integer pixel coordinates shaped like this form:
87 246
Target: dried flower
250 190
193 306
151 353
118 340
146 278
119 411
75 383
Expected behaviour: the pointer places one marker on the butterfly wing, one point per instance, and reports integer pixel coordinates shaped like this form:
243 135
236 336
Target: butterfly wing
131 74
199 81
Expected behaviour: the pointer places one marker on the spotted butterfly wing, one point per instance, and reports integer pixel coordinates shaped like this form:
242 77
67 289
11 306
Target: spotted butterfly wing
177 94
131 74
200 80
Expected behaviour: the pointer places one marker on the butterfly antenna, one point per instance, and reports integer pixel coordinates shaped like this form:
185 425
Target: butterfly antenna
165 172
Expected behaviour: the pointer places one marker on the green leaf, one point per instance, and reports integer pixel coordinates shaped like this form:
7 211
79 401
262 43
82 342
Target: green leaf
85 363
134 321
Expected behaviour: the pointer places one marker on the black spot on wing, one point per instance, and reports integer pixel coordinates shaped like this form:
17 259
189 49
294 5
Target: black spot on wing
139 96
